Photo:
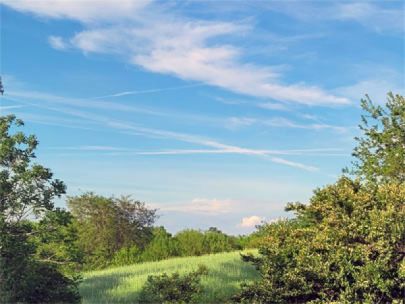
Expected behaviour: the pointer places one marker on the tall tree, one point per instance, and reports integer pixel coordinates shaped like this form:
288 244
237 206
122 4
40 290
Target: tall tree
347 244
26 191
111 224
380 153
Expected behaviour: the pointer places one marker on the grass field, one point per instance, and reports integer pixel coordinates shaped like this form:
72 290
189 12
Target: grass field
123 284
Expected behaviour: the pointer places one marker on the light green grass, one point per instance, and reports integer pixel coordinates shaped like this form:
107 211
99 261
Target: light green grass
123 284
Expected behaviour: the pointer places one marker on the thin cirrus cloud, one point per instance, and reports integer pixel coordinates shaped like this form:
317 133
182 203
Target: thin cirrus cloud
203 206
158 41
137 130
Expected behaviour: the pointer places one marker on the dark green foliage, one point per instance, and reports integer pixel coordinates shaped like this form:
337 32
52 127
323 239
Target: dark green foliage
111 224
191 242
174 288
194 242
56 241
26 190
44 283
162 246
380 152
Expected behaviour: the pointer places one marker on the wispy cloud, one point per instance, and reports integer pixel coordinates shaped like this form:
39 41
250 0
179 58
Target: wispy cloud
57 43
138 92
161 42
370 14
281 122
203 206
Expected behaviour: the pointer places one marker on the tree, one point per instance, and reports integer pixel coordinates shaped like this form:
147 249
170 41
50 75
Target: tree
350 249
111 224
348 244
26 190
380 153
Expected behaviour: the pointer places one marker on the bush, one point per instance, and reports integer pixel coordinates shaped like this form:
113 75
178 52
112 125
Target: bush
127 256
162 246
173 288
346 246
43 283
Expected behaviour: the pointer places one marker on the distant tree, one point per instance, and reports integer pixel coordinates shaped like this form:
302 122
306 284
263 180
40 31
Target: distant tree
26 191
380 153
216 241
190 242
111 224
162 246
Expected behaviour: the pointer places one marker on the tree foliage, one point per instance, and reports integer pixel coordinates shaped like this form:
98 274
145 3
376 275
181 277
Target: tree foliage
111 224
380 153
174 288
27 190
348 244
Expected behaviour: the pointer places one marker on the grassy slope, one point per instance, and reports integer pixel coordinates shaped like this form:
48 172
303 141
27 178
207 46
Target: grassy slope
122 284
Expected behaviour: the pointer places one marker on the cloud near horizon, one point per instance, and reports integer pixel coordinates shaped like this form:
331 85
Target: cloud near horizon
251 221
164 43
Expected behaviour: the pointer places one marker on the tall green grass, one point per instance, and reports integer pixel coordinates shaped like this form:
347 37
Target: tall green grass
123 284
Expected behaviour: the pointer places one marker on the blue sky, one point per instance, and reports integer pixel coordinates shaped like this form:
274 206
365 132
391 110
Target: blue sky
216 112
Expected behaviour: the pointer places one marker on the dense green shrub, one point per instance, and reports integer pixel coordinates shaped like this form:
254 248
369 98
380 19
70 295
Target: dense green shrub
217 241
191 242
174 288
127 256
162 246
346 246
43 283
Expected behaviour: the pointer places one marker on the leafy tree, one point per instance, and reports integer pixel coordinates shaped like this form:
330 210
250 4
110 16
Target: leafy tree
380 152
173 288
26 191
56 241
162 246
111 224
347 244
216 241
191 242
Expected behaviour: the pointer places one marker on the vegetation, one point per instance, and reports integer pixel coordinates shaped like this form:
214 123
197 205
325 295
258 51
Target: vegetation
27 190
347 244
380 153
226 272
173 288
111 224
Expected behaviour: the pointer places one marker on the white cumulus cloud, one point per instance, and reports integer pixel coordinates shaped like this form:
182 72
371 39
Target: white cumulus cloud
251 221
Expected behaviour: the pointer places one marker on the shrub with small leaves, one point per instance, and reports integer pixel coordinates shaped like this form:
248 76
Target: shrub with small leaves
174 288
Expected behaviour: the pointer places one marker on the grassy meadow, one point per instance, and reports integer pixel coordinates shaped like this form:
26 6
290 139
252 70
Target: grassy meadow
123 284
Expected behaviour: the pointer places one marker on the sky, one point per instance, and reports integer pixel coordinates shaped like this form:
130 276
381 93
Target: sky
217 113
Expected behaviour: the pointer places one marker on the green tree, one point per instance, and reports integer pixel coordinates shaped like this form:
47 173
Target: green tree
191 242
348 244
26 191
162 246
111 224
380 153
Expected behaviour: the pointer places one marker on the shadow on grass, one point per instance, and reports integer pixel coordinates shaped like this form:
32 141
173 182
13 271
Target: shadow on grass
98 289
228 277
